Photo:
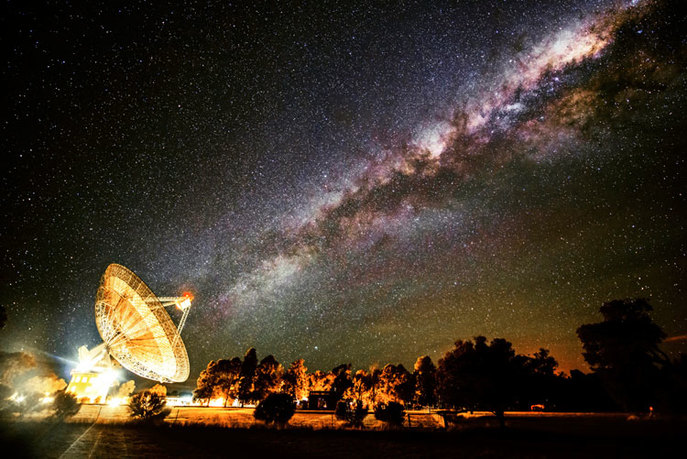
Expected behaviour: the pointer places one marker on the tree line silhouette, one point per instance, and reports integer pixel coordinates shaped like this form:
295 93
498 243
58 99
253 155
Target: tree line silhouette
629 372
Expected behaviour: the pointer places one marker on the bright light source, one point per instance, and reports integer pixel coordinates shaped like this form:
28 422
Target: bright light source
185 304
216 402
185 301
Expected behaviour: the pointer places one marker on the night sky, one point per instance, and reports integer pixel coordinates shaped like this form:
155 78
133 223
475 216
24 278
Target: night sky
345 181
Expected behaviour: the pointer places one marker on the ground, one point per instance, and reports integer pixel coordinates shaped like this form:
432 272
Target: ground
524 436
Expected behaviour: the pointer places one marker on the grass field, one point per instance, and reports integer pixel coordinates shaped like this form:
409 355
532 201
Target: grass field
525 436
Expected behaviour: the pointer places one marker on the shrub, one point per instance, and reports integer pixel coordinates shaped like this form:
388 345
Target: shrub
341 411
148 406
353 417
392 413
276 408
358 415
65 405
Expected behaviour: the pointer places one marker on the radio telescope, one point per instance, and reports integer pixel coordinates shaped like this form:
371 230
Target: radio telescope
136 329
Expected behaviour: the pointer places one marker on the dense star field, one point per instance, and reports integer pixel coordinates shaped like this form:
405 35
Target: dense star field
346 181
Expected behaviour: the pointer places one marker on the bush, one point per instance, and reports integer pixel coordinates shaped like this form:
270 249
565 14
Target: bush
65 405
353 417
358 415
148 406
341 411
276 408
392 413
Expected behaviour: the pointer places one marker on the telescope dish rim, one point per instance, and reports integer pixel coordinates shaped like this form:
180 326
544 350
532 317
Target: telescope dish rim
147 343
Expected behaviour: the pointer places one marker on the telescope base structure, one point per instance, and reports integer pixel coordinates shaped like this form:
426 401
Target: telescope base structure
91 386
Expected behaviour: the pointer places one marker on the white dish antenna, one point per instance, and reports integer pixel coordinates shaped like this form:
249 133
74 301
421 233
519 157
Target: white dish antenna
137 330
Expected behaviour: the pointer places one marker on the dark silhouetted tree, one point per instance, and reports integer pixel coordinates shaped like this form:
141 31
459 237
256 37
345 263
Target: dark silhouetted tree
320 381
357 415
542 363
230 378
623 350
226 379
342 381
536 381
65 405
395 385
353 415
219 380
205 385
584 392
361 388
277 409
148 406
375 382
158 389
247 375
341 410
425 382
479 376
267 378
3 316
405 387
296 380
392 413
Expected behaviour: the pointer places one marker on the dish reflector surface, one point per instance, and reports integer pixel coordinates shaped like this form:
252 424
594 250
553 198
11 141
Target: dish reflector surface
137 330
